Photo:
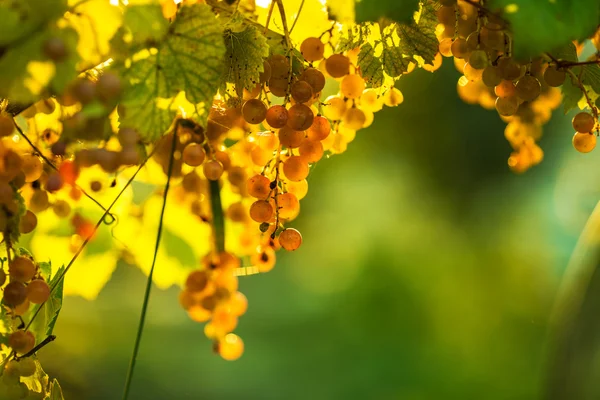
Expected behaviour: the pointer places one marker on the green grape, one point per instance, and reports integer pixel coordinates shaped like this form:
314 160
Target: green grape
507 106
337 65
312 49
478 59
491 76
254 111
277 116
301 91
459 48
528 88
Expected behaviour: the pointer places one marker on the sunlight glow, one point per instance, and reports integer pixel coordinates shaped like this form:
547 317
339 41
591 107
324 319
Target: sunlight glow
263 3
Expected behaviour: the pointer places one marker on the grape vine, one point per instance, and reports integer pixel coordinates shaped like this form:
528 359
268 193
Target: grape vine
217 112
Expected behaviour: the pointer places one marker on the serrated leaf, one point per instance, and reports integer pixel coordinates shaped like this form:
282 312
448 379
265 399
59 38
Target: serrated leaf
394 64
246 51
56 391
567 52
370 66
145 23
541 26
397 10
38 382
45 269
418 38
355 36
591 77
571 94
189 60
43 324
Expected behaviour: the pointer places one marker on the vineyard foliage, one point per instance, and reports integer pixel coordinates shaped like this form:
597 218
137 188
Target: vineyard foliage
179 135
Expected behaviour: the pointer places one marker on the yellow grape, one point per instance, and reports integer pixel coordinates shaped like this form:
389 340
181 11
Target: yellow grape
312 49
334 107
231 347
314 78
300 117
352 86
583 122
21 269
370 100
337 65
193 154
393 97
354 118
301 91
289 205
261 211
311 150
320 129
507 106
299 188
21 341
290 239
7 126
295 169
38 291
259 187
290 138
584 142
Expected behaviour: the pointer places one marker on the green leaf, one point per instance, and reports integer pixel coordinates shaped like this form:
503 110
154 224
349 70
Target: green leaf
22 18
541 26
355 36
397 10
145 23
370 66
418 38
56 391
571 94
246 51
394 64
591 77
43 324
45 269
567 52
189 60
38 382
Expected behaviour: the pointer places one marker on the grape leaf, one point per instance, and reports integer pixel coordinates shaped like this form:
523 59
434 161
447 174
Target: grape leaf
38 382
571 94
56 391
189 59
355 36
591 77
418 37
43 324
246 51
23 18
540 26
394 64
370 66
145 23
397 10
567 52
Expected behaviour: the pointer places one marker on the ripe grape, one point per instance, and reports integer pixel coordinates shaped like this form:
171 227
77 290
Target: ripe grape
21 269
583 142
291 138
301 91
261 211
471 73
54 182
55 49
193 154
393 97
223 158
314 78
109 86
6 126
254 111
554 77
507 106
21 341
277 116
295 169
259 187
238 304
280 66
27 223
583 122
300 117
288 204
268 140
290 239
196 281
212 170
312 49
96 186
278 86
38 291
311 150
459 48
334 108
337 65
265 75
446 15
352 86
491 76
231 347
260 156
237 212
510 69
445 47
320 128
108 160
354 118
27 367
492 38
61 208
15 293
478 59
300 188
528 88
38 201
370 100
264 259
505 89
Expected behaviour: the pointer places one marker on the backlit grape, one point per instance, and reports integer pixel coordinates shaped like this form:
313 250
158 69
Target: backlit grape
259 187
295 169
301 91
583 122
290 239
300 117
352 86
290 138
254 111
21 269
311 150
319 129
231 347
528 88
312 49
21 341
261 211
277 116
584 142
314 78
337 65
15 293
212 170
193 154
38 291
554 77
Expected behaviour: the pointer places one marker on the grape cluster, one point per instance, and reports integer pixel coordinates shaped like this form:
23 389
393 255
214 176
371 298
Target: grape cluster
523 93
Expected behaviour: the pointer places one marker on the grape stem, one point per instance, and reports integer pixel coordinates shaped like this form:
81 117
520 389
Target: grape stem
31 352
140 329
218 221
297 16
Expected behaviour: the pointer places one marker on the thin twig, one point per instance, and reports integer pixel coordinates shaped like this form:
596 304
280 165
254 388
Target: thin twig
31 352
269 15
297 16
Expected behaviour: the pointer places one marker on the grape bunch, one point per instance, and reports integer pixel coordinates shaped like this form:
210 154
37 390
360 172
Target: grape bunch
523 93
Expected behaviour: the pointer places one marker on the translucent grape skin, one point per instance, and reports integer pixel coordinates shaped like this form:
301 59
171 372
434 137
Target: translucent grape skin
213 170
290 138
277 116
258 187
254 111
338 65
320 128
38 291
352 86
295 168
300 117
314 78
193 154
584 142
290 239
261 211
583 122
301 91
528 88
312 49
507 106
554 77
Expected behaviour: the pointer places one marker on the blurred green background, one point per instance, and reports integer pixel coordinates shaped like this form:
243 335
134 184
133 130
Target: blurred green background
428 271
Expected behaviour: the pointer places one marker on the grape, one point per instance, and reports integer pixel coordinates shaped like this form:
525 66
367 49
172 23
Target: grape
254 111
300 117
277 116
6 193
459 48
193 154
237 212
319 129
528 88
129 156
478 59
295 169
38 201
258 187
280 66
237 176
507 106
334 107
96 186
290 239
21 341
108 160
352 86
6 126
54 182
21 269
223 158
370 100
212 170
15 293
491 76
231 347
83 90
300 188
583 143
38 291
301 91
268 141
290 138
354 118
583 122
109 86
554 77
261 211
337 65
191 182
509 69
59 148
278 86
196 281
61 208
186 299
266 74
311 150
27 367
314 78
238 304
471 73
27 223
312 49
435 64
444 47
264 259
128 137
492 38
393 97
505 89
289 206
55 49
260 156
